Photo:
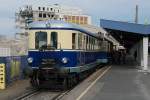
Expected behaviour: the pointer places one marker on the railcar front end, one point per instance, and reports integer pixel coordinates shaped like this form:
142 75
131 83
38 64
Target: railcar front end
59 52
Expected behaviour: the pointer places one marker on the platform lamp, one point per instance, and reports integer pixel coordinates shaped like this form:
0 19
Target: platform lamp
136 12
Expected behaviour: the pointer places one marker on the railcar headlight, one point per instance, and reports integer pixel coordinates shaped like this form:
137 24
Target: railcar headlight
30 60
64 60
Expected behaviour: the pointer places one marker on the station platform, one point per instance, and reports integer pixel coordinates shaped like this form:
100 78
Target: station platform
15 89
120 82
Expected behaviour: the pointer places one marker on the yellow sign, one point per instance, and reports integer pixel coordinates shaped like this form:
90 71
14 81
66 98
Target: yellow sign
2 76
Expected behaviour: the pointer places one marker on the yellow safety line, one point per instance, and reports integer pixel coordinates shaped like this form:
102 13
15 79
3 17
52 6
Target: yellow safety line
87 89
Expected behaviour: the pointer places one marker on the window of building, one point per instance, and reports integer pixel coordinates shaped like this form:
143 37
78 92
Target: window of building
40 14
52 16
73 40
85 20
54 39
65 17
81 18
51 9
43 8
48 15
47 9
44 15
77 18
69 18
40 39
73 17
39 8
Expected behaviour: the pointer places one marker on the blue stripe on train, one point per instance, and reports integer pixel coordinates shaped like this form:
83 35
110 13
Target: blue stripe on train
76 58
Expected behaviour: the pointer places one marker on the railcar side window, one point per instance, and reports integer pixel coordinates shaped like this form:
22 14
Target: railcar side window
40 39
84 43
54 39
80 41
73 40
87 42
104 46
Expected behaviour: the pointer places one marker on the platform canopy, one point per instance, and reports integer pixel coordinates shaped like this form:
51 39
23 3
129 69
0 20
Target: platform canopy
126 33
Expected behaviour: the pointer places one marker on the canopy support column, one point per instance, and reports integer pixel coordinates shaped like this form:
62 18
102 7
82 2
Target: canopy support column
145 53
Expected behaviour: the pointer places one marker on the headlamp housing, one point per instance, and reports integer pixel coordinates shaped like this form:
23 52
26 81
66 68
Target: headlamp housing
30 60
64 60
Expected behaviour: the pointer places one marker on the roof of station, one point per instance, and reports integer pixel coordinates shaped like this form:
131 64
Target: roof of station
125 26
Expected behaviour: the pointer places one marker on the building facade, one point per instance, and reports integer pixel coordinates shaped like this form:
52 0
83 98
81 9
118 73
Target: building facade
29 13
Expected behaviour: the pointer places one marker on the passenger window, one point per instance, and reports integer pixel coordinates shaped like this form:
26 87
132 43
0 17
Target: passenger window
80 41
73 40
84 43
40 39
87 42
54 39
104 45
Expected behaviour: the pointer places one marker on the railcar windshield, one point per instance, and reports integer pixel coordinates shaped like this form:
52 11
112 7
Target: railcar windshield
40 39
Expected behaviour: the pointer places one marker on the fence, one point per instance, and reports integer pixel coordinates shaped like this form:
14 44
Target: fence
14 66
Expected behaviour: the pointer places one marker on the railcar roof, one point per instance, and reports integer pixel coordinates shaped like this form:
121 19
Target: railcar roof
97 29
56 24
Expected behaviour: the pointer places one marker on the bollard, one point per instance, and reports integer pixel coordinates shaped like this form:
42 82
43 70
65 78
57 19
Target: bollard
2 76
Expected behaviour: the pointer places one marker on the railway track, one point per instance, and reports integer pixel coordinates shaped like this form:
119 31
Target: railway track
42 95
28 94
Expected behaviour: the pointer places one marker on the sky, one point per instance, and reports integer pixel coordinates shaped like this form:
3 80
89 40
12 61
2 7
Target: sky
120 10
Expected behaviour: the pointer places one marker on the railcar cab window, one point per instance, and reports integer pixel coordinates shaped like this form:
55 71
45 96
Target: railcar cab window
54 39
40 39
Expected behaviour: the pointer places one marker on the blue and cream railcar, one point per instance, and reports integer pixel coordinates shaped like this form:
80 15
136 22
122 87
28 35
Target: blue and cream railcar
61 50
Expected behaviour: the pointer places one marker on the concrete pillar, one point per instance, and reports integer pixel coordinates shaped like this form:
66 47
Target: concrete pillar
145 53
